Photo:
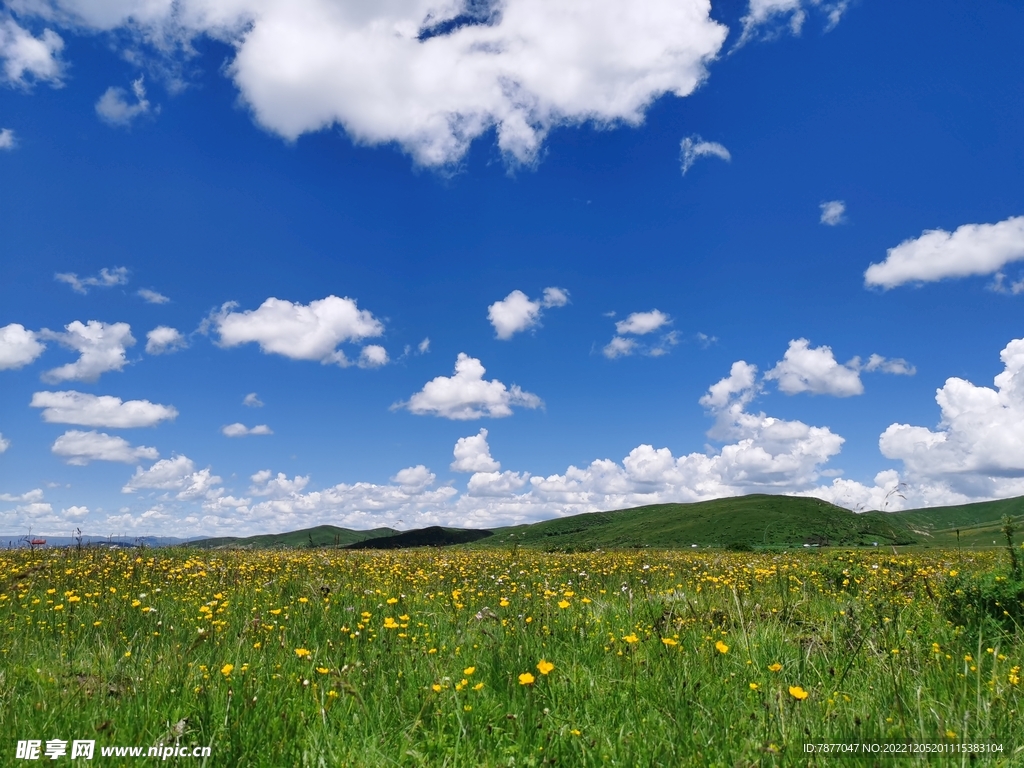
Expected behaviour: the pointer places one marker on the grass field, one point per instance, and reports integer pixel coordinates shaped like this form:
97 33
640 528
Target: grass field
506 656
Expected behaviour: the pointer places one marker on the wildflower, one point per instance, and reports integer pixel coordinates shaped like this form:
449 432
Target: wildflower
322 670
631 638
776 667
754 686
303 600
436 688
301 653
390 623
468 671
798 693
227 669
563 603
504 603
721 647
478 686
545 666
392 600
669 641
526 679
575 732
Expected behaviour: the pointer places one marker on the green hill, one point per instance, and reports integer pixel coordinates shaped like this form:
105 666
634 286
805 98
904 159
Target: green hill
755 521
320 536
748 521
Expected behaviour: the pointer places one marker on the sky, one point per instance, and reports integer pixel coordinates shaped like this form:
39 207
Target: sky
269 264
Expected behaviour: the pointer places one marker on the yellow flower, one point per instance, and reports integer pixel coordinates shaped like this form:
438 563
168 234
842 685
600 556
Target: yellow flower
468 671
545 666
721 647
753 686
776 667
303 600
392 600
563 603
950 735
478 686
322 670
276 612
669 641
798 693
301 653
436 688
526 679
227 669
504 603
575 732
631 638
390 623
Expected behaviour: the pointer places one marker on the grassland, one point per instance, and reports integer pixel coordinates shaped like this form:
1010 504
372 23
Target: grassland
508 656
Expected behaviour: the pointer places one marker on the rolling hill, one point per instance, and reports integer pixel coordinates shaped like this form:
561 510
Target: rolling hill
755 521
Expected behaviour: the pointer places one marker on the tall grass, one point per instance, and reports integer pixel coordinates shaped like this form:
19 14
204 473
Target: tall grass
511 658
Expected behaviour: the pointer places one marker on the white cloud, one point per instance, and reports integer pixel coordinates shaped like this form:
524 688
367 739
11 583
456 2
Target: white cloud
411 74
114 107
790 14
79 448
641 323
177 474
75 513
86 410
473 454
424 346
252 400
466 395
151 297
29 497
101 348
26 58
373 356
264 483
518 312
973 249
833 212
894 365
105 279
163 340
18 346
815 370
299 331
692 148
7 138
240 430
619 347
4 443
980 438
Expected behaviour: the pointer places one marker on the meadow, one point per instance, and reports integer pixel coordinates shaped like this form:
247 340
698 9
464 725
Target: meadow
512 657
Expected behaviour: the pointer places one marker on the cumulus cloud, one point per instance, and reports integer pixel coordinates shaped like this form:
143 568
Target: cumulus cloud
518 312
18 346
432 78
466 395
164 339
264 483
28 59
105 279
240 430
151 297
86 410
973 249
833 212
640 324
175 474
6 138
101 348
692 148
301 331
4 443
473 454
79 448
372 356
815 370
252 400
115 107
29 497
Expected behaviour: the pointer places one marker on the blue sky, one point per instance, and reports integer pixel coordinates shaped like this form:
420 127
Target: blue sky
490 263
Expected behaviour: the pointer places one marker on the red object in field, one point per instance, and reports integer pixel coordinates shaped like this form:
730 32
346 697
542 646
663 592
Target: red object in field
37 542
